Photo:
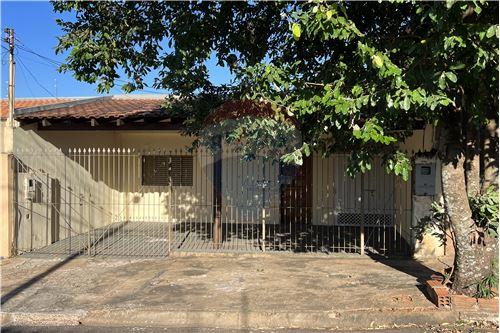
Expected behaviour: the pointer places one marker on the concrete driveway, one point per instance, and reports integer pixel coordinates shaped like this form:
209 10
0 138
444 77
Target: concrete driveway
241 291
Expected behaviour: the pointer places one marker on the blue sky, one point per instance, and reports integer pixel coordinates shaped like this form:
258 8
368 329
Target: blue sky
35 27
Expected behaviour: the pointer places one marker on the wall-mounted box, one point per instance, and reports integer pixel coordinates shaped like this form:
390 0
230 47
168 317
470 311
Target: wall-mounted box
32 190
425 179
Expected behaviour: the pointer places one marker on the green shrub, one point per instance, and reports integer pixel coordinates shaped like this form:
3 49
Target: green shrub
485 211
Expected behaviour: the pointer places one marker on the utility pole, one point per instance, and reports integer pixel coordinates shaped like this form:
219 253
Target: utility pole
7 176
12 63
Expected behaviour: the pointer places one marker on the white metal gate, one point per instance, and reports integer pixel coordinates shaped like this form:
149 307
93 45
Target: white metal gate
148 203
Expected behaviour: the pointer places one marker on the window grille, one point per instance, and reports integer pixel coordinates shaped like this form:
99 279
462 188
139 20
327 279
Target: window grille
159 170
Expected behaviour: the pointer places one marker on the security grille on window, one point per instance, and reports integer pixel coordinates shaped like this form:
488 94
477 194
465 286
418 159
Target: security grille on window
159 170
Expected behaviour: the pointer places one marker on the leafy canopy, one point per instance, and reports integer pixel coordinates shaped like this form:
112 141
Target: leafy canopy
357 76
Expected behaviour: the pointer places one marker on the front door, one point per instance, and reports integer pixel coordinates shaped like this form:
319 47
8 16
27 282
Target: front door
296 194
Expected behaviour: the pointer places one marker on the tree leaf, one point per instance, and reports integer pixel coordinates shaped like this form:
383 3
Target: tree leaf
451 76
306 149
491 31
296 30
377 61
406 103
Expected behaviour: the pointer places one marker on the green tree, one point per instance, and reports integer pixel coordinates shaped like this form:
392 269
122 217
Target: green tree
357 76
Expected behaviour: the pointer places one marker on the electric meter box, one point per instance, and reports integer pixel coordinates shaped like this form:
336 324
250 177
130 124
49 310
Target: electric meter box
32 190
425 179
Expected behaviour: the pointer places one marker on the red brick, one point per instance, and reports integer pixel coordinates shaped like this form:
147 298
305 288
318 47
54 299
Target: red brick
438 293
489 305
462 302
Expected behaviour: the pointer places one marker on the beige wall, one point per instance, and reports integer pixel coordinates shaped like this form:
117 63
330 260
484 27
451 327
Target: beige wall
243 199
6 190
104 186
107 187
334 191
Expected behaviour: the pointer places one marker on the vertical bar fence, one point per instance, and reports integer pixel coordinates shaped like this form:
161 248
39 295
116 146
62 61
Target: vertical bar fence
151 202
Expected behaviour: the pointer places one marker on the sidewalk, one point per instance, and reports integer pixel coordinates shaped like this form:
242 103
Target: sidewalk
244 291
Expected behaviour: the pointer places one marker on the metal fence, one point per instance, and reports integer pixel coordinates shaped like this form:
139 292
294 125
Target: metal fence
148 203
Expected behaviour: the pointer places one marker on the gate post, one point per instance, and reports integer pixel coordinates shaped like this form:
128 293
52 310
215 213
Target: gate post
89 226
362 226
217 197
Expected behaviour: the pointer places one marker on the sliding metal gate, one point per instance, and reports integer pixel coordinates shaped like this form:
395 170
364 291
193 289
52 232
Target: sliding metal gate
148 203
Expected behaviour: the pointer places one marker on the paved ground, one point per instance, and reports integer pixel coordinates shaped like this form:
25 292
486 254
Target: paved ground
257 291
459 328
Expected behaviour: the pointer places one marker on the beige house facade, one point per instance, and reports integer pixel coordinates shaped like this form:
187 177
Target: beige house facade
85 169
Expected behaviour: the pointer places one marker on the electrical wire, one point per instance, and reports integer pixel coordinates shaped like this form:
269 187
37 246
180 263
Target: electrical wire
26 58
34 77
4 58
57 64
52 61
26 80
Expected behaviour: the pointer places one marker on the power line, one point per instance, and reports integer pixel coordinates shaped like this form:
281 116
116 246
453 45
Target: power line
34 78
39 62
24 48
4 57
26 80
57 64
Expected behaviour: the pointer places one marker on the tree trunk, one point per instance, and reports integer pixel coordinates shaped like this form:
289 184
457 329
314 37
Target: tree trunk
473 256
490 155
473 161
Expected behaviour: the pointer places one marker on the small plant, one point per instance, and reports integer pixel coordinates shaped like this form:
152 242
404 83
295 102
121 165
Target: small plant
437 222
488 287
485 211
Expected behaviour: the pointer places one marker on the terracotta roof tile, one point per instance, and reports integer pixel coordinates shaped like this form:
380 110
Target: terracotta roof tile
110 107
247 108
29 103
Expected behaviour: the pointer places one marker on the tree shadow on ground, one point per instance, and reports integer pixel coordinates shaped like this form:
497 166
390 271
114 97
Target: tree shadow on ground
11 294
19 289
409 266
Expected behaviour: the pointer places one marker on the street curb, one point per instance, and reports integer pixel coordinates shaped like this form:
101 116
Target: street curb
42 318
357 319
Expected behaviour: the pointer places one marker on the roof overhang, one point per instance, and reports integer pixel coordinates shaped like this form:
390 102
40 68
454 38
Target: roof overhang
137 112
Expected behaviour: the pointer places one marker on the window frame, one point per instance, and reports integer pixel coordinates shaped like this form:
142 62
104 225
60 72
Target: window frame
178 170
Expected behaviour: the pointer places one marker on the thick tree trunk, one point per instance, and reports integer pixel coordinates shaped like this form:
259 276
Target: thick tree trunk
473 253
490 155
473 161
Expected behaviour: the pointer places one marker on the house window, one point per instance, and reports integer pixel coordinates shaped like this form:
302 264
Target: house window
165 170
